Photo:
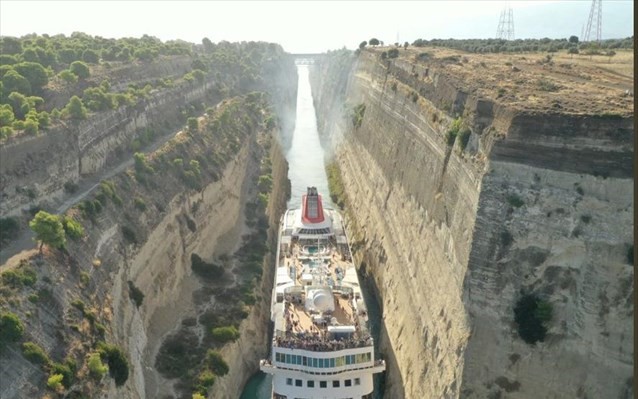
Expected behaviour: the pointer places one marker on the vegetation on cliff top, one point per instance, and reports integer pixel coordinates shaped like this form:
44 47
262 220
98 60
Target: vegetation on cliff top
37 71
522 45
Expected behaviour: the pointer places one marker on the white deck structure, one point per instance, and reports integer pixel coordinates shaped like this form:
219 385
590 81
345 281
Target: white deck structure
321 347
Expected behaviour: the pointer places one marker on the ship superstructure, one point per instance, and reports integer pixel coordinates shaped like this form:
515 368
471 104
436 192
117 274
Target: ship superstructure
321 346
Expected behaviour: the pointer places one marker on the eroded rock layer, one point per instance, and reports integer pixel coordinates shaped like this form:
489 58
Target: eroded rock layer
462 203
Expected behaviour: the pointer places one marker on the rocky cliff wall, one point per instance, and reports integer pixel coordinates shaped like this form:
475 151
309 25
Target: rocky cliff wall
453 234
126 249
35 169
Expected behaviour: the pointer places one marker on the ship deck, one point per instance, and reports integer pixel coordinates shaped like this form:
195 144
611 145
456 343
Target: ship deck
323 264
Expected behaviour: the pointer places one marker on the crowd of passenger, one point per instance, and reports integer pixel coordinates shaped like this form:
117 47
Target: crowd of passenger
313 342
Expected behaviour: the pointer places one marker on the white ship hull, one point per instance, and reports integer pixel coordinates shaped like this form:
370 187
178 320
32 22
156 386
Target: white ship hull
321 346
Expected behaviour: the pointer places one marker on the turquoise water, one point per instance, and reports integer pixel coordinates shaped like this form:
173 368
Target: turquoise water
306 168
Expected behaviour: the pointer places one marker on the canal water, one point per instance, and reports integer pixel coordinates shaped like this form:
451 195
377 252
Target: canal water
306 168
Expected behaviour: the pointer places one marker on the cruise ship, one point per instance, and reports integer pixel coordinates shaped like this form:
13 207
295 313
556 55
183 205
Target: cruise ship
321 345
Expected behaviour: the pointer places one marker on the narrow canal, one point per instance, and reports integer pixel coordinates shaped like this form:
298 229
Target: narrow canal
306 168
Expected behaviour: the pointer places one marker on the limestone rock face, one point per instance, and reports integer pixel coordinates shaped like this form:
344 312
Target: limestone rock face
454 232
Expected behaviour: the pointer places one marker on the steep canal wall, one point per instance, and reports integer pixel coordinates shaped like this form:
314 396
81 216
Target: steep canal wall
461 204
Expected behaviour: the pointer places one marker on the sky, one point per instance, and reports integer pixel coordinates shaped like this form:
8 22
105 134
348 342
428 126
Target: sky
309 26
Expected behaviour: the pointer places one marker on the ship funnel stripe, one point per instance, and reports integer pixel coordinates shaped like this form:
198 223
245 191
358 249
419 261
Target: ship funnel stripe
312 208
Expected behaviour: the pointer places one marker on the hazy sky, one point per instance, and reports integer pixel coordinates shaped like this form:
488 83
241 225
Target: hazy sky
308 26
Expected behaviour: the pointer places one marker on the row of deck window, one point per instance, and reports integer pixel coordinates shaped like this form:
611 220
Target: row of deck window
324 384
323 363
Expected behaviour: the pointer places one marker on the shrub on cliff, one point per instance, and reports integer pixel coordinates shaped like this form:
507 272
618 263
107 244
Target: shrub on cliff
205 269
532 314
135 294
19 277
453 131
11 329
34 73
97 369
116 360
374 42
72 228
216 363
98 99
393 53
464 137
35 354
192 125
80 69
74 109
225 334
9 229
129 234
141 164
90 56
12 81
54 382
205 380
357 115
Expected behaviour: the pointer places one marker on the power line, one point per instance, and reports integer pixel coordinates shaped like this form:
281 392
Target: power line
595 22
505 28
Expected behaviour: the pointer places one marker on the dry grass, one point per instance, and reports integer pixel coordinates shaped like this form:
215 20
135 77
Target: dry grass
578 84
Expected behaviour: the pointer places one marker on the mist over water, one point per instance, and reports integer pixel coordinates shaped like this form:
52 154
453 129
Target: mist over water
305 157
305 168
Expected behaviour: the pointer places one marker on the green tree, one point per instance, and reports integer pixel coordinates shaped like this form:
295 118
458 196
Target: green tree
193 125
34 353
405 45
10 45
225 334
117 362
34 73
72 228
44 119
393 53
48 230
12 81
572 51
68 76
96 99
208 45
573 39
31 126
362 45
374 42
216 362
6 115
75 108
54 382
96 368
90 56
11 328
6 59
80 69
